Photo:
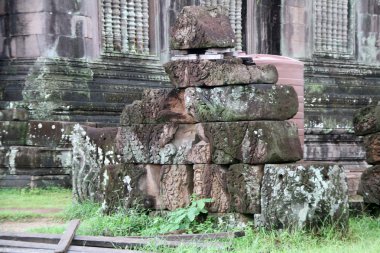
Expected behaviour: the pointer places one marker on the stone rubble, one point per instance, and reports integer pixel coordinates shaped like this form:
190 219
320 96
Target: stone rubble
367 124
212 135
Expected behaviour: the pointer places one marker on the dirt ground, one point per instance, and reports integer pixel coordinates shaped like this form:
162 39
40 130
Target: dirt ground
25 225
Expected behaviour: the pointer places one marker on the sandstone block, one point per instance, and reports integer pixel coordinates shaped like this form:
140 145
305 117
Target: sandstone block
13 133
218 73
367 120
157 106
49 133
202 27
372 146
131 186
163 144
210 181
230 103
176 185
255 142
21 181
369 186
304 195
37 157
237 103
244 184
14 115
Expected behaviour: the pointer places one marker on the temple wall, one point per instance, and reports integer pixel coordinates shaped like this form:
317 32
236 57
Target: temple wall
34 28
339 43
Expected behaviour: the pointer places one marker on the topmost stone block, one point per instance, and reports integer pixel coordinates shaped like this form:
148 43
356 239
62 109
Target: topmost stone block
202 27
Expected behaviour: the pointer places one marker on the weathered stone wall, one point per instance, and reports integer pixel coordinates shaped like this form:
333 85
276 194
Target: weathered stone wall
53 65
49 28
341 73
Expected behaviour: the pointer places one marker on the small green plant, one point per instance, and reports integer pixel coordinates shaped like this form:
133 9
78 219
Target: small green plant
183 218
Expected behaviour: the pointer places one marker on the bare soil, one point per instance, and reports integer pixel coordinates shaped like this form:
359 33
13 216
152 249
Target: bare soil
25 225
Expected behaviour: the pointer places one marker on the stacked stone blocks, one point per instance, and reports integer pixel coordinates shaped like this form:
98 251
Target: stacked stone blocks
223 133
367 124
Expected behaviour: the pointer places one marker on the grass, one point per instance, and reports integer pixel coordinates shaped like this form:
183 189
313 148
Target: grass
35 198
18 204
363 235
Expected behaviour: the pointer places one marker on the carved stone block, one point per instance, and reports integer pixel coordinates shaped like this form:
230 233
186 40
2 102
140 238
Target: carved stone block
367 120
176 185
163 144
255 142
131 185
210 181
202 27
304 195
157 105
218 73
244 184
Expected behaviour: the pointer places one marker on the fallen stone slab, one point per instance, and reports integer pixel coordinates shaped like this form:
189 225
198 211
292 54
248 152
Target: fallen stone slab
372 146
199 27
304 196
367 120
232 71
255 142
229 103
369 186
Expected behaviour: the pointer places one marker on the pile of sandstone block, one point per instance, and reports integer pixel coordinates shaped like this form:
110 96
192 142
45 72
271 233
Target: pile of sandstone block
221 132
367 124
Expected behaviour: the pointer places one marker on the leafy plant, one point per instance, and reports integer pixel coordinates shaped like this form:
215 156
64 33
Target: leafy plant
183 218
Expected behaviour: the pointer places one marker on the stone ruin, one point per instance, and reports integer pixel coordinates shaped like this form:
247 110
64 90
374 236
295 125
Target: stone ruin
221 132
367 124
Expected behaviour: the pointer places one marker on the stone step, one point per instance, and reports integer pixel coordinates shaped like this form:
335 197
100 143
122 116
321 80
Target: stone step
22 181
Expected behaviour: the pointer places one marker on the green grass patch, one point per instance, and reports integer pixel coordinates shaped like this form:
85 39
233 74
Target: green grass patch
19 215
363 234
35 198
